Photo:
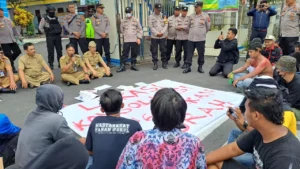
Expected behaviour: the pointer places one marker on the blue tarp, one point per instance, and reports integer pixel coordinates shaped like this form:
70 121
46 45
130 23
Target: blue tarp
4 7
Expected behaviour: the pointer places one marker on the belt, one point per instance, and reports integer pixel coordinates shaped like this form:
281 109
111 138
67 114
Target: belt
261 30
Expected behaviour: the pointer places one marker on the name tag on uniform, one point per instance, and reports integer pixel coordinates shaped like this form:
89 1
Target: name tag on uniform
2 74
75 67
97 66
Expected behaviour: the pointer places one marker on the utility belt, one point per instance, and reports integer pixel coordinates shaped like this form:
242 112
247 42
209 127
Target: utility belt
53 34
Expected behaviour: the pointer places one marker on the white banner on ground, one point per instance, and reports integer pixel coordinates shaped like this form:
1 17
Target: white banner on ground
206 107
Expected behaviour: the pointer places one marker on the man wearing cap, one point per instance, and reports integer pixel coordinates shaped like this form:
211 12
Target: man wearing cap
289 27
286 68
101 26
8 34
50 25
132 32
159 28
261 19
75 25
271 51
199 25
171 41
182 34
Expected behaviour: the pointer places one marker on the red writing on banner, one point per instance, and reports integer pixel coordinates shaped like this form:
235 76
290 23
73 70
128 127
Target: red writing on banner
132 94
150 88
126 110
182 89
138 104
88 108
80 126
190 120
147 118
220 103
208 111
190 100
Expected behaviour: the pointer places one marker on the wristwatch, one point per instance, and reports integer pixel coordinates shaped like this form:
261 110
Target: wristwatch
245 125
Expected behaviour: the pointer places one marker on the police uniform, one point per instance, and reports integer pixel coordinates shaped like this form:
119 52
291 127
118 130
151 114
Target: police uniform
289 29
131 30
75 23
8 32
73 75
33 69
101 25
171 41
52 29
4 78
157 24
182 37
199 26
95 61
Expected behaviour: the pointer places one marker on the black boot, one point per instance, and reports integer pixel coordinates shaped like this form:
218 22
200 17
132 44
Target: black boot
183 66
177 64
122 68
6 90
84 81
200 70
13 68
51 66
109 64
155 66
165 65
187 70
133 67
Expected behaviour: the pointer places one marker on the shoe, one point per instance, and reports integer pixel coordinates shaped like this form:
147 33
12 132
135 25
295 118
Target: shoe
84 81
46 82
183 66
31 86
109 64
105 75
187 70
200 70
164 65
51 67
177 64
6 90
155 66
133 67
68 83
122 68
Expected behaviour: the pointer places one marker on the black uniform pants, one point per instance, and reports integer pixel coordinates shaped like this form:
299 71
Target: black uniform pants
88 40
170 44
54 42
162 48
225 68
11 50
81 42
181 44
104 42
287 44
200 46
127 46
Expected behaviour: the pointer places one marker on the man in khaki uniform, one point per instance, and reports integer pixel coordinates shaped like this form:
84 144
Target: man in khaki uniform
171 40
31 68
93 60
70 65
7 78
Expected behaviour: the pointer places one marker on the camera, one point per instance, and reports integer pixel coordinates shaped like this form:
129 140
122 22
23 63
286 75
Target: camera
261 6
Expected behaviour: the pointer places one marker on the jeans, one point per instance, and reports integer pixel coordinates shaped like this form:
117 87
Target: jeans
245 159
242 84
90 162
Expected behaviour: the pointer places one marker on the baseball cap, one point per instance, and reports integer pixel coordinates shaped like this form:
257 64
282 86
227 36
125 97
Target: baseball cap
199 3
270 37
128 9
92 44
157 6
185 8
100 6
177 8
287 64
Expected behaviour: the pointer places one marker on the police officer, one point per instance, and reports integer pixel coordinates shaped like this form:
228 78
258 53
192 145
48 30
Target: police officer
159 27
289 28
8 41
199 25
171 41
132 32
31 68
95 64
182 32
71 65
50 25
89 31
101 26
7 79
75 26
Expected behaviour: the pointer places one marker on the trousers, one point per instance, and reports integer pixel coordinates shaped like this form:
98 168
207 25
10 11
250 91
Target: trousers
162 48
82 44
103 43
127 46
181 45
54 42
200 46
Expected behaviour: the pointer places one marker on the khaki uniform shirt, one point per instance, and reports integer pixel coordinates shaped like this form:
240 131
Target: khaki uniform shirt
94 61
199 26
77 25
157 24
171 27
290 21
182 22
8 31
3 63
101 25
131 29
32 65
65 60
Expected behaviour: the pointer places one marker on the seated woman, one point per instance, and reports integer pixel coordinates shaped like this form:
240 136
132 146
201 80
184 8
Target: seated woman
73 70
165 146
9 134
93 60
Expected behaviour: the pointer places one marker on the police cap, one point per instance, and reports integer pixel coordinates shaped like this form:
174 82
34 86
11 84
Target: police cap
177 8
185 8
199 3
100 6
157 6
128 9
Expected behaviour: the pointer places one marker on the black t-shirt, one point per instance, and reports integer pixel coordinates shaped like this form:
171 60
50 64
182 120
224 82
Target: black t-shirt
107 137
279 154
294 92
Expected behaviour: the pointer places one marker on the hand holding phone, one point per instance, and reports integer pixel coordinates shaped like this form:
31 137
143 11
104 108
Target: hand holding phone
232 112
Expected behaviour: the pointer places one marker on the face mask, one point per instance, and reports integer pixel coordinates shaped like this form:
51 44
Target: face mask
51 14
128 15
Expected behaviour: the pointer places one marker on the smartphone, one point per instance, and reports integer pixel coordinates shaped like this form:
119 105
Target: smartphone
221 32
232 112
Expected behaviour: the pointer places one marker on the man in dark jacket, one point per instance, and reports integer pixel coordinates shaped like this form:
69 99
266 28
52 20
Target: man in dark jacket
261 19
229 53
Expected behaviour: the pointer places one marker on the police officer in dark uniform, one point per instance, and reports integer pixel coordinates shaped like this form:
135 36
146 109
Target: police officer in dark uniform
51 27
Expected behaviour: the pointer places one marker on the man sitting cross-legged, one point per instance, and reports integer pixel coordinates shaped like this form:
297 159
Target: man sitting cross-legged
272 144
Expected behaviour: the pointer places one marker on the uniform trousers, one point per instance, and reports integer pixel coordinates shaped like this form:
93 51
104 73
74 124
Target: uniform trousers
170 44
54 42
73 77
103 43
181 44
287 44
154 49
37 80
127 46
12 51
200 46
5 81
81 42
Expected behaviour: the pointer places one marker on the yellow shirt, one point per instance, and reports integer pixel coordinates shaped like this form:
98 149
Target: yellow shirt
290 122
64 60
32 65
4 62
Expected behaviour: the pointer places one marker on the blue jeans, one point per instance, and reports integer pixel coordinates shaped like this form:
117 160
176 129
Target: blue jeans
245 159
90 162
242 84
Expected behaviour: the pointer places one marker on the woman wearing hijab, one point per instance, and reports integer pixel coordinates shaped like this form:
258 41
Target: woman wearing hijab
8 140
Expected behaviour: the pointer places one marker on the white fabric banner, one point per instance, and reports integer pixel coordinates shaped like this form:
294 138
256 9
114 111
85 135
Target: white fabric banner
205 107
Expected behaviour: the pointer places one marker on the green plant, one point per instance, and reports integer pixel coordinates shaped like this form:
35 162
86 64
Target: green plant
246 44
30 29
